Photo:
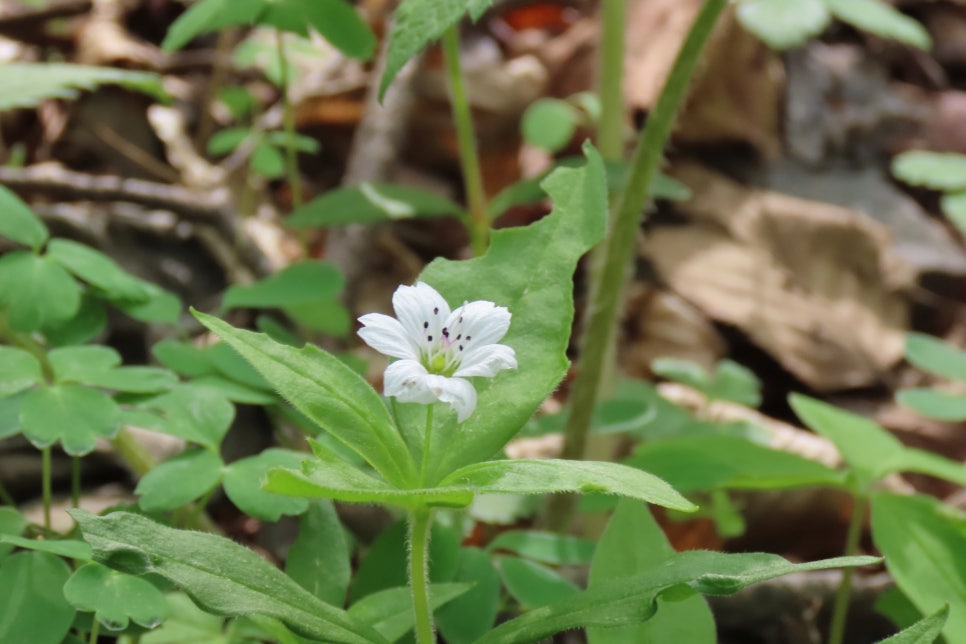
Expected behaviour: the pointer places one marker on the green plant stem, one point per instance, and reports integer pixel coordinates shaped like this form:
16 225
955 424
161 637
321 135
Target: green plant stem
75 481
192 519
619 247
45 484
419 531
479 221
6 497
95 631
288 118
427 437
843 594
610 131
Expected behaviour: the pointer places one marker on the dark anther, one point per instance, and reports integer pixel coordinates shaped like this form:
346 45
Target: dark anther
446 333
426 325
429 337
459 337
461 347
468 338
436 311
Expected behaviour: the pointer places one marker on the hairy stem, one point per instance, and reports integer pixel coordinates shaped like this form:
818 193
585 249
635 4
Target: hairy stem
619 247
841 607
427 436
479 222
610 130
419 530
288 119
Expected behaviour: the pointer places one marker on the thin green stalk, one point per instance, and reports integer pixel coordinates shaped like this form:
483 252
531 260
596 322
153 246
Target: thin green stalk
619 247
419 530
5 497
95 631
841 607
45 484
479 221
427 435
75 481
193 518
288 118
610 130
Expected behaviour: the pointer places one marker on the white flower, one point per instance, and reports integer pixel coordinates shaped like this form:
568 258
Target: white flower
438 349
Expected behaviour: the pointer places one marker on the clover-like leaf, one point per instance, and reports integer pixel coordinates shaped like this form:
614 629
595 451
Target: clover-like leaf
115 598
74 415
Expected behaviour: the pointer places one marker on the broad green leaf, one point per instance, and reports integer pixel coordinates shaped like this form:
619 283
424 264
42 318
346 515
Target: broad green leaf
183 358
27 84
136 380
783 24
36 291
935 170
32 607
319 558
420 22
234 367
684 371
69 549
235 391
547 476
115 598
471 615
925 631
221 576
187 623
528 270
74 415
161 306
924 545
179 480
325 316
923 462
76 364
329 393
867 448
243 485
224 141
198 414
10 415
97 269
894 605
631 600
735 383
703 463
545 547
298 283
19 371
267 160
634 543
12 524
933 403
549 123
881 19
300 142
18 222
85 325
935 356
533 584
953 205
391 611
369 203
336 20
385 562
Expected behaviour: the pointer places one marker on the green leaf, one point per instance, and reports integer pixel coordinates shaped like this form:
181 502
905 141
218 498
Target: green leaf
243 485
953 205
183 358
702 463
115 598
935 170
137 380
325 316
69 549
924 546
935 356
336 20
12 523
532 584
224 141
369 203
547 476
329 393
471 615
735 383
97 269
10 415
18 222
868 449
221 576
391 611
235 391
420 22
634 543
783 24
549 123
530 271
179 480
933 403
187 623
299 283
76 364
319 558
36 291
19 371
161 306
27 84
234 367
545 547
32 606
925 631
630 600
895 606
74 415
85 325
267 161
881 19
197 414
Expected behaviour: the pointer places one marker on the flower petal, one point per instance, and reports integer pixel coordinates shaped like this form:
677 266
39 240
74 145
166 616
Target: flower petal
487 361
458 393
408 381
477 324
386 335
422 311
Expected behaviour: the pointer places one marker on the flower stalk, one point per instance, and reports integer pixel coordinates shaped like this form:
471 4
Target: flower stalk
420 522
840 609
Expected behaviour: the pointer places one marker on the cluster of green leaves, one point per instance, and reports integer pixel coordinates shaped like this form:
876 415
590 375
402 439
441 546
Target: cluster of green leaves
942 171
783 24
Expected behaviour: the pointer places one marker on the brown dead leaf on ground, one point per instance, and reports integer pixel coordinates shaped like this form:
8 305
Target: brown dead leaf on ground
816 285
